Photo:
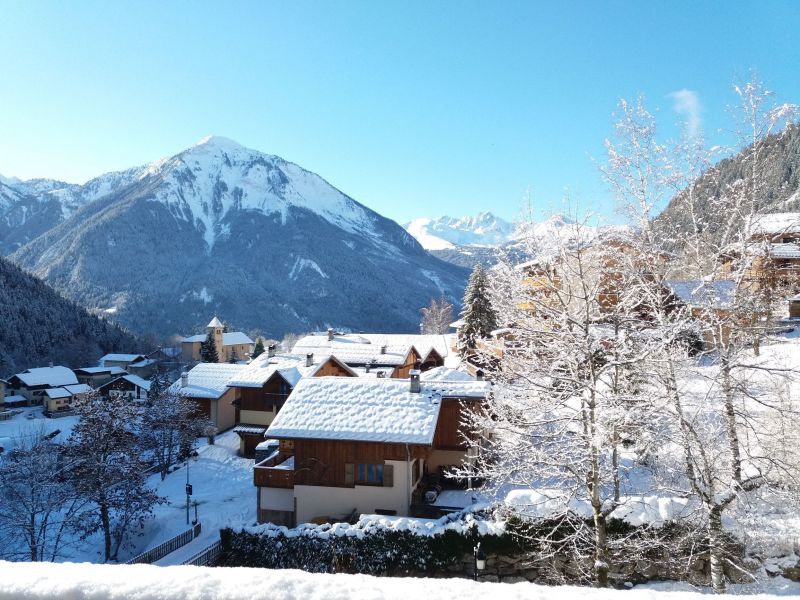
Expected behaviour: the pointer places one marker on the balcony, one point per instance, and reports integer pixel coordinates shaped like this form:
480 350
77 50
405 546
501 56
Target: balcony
276 472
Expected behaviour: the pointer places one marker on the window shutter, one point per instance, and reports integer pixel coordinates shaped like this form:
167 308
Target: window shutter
349 474
388 475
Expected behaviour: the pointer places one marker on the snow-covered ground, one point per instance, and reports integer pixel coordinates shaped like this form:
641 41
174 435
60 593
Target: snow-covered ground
33 581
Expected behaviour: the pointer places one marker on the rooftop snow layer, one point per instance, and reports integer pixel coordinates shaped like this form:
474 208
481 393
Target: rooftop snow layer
261 369
50 376
358 409
121 358
207 380
775 223
694 292
228 339
394 342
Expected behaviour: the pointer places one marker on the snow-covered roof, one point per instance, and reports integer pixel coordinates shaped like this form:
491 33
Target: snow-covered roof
129 358
140 364
358 409
67 391
50 376
101 370
718 294
251 429
775 223
137 381
446 374
231 338
16 398
788 250
258 372
207 380
215 322
398 343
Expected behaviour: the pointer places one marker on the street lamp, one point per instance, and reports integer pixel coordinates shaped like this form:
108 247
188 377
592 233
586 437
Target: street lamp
480 561
188 488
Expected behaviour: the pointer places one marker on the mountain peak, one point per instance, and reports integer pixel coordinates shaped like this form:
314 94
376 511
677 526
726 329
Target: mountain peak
218 141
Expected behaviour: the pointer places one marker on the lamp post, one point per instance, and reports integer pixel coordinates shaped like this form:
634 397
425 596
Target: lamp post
188 489
480 561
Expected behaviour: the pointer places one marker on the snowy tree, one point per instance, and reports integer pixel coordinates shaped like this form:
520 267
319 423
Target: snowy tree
107 470
437 317
566 401
722 421
170 423
208 350
38 507
258 350
478 314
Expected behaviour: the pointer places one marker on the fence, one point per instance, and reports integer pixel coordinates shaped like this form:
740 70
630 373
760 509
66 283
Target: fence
206 557
160 551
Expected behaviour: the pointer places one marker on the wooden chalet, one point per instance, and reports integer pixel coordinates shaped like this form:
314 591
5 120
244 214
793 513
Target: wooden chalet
207 386
361 445
33 383
97 376
127 386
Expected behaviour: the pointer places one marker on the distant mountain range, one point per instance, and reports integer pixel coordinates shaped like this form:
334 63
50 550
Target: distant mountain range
219 228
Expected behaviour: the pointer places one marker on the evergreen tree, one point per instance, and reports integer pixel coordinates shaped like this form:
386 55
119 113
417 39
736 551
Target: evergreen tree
259 348
208 350
479 317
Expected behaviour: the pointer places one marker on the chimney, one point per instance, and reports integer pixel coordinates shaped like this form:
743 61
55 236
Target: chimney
380 374
330 334
383 349
309 359
479 374
270 350
184 379
414 375
367 367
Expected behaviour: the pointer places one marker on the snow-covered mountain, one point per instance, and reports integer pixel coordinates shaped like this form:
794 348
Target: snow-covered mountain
222 228
445 233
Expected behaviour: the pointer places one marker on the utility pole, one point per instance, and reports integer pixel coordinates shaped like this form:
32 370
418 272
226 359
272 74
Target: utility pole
188 490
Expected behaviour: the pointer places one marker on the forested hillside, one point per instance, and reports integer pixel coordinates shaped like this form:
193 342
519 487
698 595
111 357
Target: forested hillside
38 325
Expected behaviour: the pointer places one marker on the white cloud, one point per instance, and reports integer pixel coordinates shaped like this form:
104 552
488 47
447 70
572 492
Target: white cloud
687 104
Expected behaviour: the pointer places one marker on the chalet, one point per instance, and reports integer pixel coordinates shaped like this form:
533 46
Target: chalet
207 385
393 354
708 301
127 386
60 399
360 445
143 368
794 307
262 387
231 345
97 376
122 361
773 251
32 383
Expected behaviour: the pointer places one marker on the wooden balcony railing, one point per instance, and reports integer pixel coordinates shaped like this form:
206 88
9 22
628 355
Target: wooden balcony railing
268 474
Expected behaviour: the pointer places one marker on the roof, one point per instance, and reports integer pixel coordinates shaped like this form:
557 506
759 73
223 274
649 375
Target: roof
775 223
101 370
718 294
207 380
261 369
49 376
445 374
228 339
357 409
146 362
67 391
252 429
137 381
129 358
788 250
215 322
370 343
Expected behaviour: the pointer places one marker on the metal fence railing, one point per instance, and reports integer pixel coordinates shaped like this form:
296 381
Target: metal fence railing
160 551
206 557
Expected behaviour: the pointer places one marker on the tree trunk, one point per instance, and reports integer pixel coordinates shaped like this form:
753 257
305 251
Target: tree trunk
716 550
730 421
601 566
106 523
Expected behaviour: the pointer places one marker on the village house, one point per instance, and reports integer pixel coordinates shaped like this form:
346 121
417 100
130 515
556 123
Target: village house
262 387
32 383
231 345
60 400
120 360
127 386
361 445
97 376
207 386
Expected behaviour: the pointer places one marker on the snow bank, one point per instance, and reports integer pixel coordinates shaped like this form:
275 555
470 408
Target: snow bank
32 581
461 522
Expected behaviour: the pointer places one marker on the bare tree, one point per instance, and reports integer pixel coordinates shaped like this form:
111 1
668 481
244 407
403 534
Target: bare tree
437 317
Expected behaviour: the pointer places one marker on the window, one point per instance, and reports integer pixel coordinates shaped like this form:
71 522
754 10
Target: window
368 474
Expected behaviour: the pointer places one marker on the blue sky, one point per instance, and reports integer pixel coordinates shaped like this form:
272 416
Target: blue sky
412 108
